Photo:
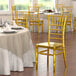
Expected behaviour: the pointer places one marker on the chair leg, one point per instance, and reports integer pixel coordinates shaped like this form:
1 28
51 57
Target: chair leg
64 57
36 57
38 29
54 60
48 59
29 26
26 25
33 28
65 72
66 28
42 26
53 73
74 27
71 26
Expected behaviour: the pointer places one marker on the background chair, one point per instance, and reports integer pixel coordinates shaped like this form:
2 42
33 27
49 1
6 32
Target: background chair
21 18
59 7
13 12
34 18
56 38
67 10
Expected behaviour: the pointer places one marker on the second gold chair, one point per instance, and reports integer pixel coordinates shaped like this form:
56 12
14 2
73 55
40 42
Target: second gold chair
67 10
59 7
21 18
34 19
13 12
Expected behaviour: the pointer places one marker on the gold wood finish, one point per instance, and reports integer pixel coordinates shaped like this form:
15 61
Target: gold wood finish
13 12
59 7
56 43
21 18
36 57
34 18
74 23
64 58
67 10
54 59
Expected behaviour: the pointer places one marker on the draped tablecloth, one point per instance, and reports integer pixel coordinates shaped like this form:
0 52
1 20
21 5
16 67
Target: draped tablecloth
16 51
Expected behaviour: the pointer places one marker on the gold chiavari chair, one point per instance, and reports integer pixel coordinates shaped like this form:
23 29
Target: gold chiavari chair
67 10
34 18
21 18
59 7
13 12
55 40
74 23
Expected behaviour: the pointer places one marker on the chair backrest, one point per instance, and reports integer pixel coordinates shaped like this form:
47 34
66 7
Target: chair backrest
33 13
56 28
21 17
13 12
33 17
59 7
20 14
67 10
33 8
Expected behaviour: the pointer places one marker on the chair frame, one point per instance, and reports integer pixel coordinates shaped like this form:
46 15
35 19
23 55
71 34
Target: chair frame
38 21
21 17
54 48
59 6
69 16
13 12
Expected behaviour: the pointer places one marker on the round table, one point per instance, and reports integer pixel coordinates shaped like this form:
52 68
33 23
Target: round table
16 51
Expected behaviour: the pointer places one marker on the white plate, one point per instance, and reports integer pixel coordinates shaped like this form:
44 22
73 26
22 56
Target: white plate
17 28
9 31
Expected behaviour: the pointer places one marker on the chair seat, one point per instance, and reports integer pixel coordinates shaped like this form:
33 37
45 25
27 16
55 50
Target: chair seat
20 18
36 20
52 44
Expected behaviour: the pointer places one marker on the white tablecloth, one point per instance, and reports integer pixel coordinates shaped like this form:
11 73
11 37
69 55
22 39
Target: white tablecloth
16 51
